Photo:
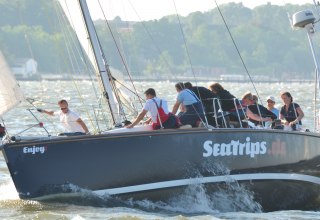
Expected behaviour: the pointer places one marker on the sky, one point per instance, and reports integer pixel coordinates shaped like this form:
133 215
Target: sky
137 10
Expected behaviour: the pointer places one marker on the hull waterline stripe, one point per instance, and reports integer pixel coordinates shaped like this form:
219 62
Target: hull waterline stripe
212 179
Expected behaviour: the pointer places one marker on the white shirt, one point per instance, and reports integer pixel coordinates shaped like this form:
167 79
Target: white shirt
69 121
151 107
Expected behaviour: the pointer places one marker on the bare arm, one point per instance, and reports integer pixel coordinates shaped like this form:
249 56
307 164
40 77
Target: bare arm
47 112
175 107
148 120
281 116
301 115
83 125
182 108
138 119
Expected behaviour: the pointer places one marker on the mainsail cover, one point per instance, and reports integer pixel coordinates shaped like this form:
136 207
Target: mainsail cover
10 92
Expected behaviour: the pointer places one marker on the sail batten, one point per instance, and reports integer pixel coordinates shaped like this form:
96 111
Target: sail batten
10 92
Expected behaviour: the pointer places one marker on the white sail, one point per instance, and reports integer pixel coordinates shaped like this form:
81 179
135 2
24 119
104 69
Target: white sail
10 92
80 20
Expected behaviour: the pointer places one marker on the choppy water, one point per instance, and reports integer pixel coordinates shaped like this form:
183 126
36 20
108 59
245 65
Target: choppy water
233 203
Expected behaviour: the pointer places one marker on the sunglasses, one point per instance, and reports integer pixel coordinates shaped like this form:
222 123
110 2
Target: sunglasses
63 108
269 101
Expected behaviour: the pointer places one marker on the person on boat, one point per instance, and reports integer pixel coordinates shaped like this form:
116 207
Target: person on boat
257 114
160 115
290 113
207 98
271 101
229 103
193 110
71 121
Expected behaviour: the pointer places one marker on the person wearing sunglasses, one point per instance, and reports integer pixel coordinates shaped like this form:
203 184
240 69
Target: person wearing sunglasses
70 120
270 105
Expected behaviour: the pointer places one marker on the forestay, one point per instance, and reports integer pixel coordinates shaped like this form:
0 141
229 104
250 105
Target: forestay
80 20
10 92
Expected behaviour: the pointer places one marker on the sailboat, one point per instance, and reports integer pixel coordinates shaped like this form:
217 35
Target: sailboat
140 163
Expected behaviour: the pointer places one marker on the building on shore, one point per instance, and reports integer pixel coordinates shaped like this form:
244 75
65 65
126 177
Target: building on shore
26 69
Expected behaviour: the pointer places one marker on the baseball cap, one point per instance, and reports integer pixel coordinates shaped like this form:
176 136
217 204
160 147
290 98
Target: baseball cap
271 98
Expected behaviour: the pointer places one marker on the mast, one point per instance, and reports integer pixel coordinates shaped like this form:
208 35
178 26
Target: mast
86 33
103 69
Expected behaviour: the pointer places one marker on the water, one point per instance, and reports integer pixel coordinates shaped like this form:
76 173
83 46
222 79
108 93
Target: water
233 202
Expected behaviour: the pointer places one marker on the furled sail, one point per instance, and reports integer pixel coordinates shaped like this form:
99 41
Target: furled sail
10 92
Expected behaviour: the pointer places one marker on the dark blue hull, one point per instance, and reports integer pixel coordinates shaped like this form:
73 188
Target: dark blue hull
274 165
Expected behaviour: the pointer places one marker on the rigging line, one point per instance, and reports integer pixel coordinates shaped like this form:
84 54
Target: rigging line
126 87
131 38
120 41
83 58
26 36
189 58
111 82
77 46
152 39
71 54
81 52
31 102
316 86
119 52
184 41
68 36
237 49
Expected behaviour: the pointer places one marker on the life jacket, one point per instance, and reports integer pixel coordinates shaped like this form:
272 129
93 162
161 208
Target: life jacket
161 116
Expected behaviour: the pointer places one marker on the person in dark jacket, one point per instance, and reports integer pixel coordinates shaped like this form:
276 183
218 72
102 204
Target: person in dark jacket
228 102
207 98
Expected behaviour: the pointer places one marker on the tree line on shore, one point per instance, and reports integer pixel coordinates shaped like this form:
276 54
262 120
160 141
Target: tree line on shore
199 44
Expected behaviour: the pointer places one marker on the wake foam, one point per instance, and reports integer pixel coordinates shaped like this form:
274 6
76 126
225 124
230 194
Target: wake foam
229 196
8 191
